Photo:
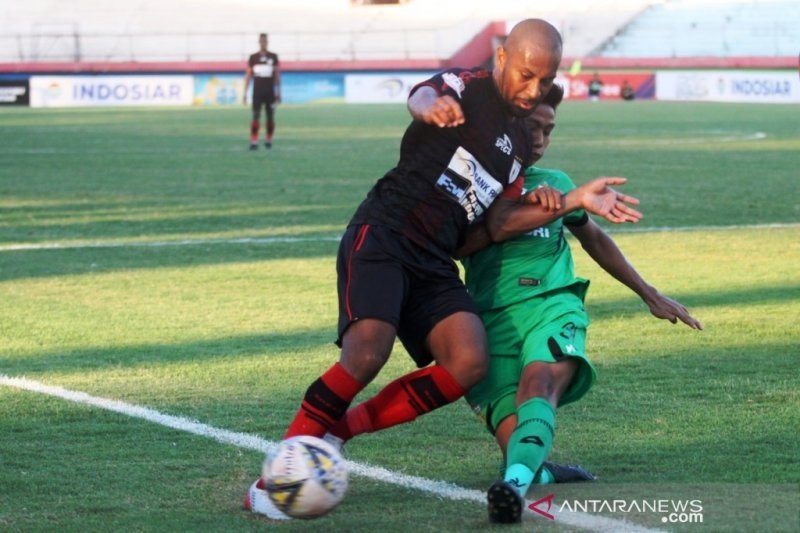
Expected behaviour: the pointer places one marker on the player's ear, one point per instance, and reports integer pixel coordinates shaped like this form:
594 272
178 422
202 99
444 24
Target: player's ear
500 57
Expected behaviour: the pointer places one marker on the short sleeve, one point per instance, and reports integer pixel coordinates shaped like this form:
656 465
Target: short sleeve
451 82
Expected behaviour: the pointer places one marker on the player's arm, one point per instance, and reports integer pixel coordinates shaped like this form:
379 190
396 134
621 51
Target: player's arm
426 105
477 239
478 236
248 74
605 252
277 81
506 219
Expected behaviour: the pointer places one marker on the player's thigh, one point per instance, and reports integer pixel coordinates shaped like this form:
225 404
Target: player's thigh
558 337
258 103
371 284
492 399
440 321
270 106
437 299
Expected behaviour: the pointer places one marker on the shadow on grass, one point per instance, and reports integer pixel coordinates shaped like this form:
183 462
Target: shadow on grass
22 264
151 355
633 306
189 224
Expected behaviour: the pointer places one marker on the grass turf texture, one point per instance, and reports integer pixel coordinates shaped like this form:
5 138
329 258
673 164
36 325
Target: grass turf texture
231 334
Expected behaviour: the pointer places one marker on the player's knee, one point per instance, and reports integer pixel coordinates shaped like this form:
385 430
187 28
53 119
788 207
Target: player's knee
366 346
363 365
470 369
537 382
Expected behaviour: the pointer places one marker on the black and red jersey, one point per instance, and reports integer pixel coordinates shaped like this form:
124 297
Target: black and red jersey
447 177
263 66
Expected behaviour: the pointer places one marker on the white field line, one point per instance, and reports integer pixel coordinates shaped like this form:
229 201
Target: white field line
336 238
441 489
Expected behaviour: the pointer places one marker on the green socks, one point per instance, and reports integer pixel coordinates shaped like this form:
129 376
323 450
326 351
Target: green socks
530 443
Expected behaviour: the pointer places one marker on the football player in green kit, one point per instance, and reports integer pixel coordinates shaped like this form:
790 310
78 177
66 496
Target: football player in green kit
531 303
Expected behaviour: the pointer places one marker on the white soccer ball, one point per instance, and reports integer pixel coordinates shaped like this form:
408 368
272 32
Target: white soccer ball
305 477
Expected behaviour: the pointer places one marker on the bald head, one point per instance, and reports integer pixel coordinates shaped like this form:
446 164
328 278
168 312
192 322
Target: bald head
526 64
534 33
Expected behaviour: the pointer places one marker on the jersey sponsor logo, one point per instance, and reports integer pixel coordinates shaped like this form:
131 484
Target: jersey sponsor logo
454 82
504 143
468 183
264 70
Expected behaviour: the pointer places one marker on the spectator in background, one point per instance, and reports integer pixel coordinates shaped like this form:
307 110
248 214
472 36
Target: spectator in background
595 87
627 92
263 68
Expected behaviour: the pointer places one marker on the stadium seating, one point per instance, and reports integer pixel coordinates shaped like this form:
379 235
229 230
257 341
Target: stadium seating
301 30
340 30
708 28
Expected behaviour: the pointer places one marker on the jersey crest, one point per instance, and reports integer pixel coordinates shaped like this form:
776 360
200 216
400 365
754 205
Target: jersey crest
454 82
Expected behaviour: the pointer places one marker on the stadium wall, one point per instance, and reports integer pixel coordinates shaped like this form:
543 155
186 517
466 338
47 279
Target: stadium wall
80 84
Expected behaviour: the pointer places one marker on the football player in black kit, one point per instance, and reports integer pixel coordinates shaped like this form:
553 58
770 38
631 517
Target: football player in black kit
466 148
263 68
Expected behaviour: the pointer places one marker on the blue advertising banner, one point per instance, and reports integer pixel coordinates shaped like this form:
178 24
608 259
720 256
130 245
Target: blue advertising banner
302 87
296 88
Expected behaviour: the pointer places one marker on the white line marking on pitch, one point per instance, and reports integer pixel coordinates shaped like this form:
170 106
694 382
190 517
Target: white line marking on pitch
252 442
336 238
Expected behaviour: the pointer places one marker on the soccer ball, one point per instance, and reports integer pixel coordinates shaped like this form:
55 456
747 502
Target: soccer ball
305 477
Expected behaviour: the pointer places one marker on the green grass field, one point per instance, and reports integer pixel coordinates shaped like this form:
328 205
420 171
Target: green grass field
146 256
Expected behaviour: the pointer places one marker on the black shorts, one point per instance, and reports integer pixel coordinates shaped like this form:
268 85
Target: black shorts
385 276
264 97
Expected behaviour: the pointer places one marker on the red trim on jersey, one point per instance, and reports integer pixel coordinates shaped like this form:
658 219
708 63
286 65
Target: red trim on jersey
514 191
362 234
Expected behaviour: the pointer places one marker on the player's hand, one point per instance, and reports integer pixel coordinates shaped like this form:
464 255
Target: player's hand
668 309
549 198
444 112
597 197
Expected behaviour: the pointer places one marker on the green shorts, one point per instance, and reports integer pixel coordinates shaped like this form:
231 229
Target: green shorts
545 328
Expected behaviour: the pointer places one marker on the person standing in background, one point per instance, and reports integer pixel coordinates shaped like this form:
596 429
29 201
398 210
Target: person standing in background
595 87
627 92
263 68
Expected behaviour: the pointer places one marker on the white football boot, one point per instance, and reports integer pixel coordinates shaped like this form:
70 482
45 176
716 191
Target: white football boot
257 501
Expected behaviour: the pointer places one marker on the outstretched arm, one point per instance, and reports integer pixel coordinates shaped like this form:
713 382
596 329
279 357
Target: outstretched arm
605 252
506 219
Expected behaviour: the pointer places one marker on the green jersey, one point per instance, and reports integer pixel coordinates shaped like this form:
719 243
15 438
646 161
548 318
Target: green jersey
531 264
